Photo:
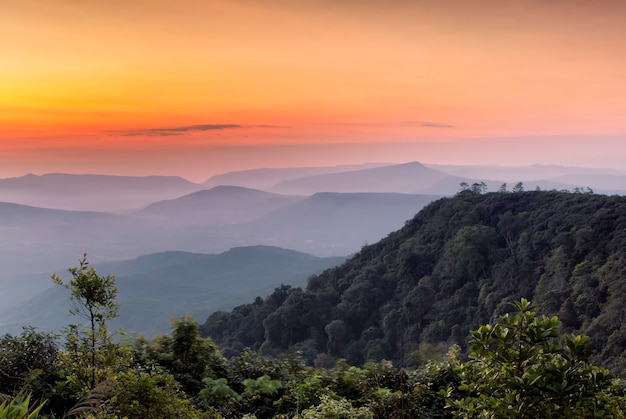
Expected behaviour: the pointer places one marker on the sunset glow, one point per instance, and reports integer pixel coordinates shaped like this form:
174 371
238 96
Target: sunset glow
173 83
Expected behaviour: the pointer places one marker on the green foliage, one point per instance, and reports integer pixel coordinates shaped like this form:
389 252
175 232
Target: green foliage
305 393
185 354
521 368
387 315
28 361
218 394
90 350
455 266
336 408
139 394
19 408
261 386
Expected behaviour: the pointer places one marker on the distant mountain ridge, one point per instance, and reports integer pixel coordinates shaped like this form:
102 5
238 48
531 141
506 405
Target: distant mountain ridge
429 178
265 178
399 178
331 223
107 193
38 240
92 192
152 289
219 205
118 217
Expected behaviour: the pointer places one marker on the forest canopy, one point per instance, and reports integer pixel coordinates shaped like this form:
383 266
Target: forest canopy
457 264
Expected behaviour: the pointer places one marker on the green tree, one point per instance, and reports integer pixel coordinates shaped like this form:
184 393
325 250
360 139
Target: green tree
28 360
465 188
138 394
93 299
185 354
522 367
336 408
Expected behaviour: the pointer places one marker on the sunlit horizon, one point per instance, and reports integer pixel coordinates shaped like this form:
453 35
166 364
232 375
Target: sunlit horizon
154 87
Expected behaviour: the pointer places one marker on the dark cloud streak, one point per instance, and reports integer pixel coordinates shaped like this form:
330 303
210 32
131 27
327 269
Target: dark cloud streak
165 132
436 125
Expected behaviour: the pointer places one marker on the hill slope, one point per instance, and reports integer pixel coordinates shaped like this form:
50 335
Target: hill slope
92 192
218 205
333 223
154 288
456 265
400 178
268 177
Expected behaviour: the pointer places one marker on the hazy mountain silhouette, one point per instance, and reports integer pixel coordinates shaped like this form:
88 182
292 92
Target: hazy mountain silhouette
521 173
416 178
178 215
334 223
36 241
601 183
399 178
265 178
92 192
219 205
152 289
546 177
34 238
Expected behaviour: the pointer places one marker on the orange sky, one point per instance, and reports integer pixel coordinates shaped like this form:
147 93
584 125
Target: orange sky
96 86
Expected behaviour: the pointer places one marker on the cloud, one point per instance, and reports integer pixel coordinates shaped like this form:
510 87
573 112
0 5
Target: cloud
437 125
164 132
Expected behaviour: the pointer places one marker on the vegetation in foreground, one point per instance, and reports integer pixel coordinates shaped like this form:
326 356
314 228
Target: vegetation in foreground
521 366
393 332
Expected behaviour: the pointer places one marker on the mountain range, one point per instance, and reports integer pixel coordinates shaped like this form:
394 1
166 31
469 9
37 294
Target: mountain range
106 193
102 193
49 221
155 288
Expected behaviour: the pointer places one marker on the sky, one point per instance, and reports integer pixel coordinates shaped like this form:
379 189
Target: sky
199 87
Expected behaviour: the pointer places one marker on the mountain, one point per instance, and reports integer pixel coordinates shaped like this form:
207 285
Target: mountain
88 192
603 183
457 264
330 223
155 288
416 178
218 205
267 177
399 178
35 238
546 177
35 242
420 178
514 174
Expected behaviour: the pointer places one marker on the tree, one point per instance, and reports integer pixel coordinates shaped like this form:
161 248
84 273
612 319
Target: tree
139 394
479 188
27 361
519 187
185 354
93 299
336 408
522 367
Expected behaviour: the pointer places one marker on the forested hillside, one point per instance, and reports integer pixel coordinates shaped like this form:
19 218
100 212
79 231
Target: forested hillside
457 264
406 302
